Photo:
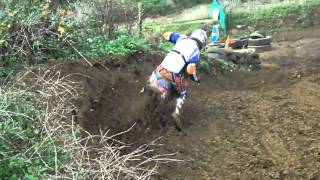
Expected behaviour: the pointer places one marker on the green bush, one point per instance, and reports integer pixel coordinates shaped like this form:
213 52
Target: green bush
125 44
99 46
31 34
24 153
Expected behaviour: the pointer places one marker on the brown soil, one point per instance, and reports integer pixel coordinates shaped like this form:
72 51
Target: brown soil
239 125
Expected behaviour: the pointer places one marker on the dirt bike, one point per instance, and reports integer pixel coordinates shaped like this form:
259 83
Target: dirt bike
158 109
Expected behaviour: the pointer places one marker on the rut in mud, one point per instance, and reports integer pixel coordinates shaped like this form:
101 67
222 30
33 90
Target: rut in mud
239 125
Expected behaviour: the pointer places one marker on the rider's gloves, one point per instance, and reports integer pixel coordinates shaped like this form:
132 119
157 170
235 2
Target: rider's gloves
195 78
167 35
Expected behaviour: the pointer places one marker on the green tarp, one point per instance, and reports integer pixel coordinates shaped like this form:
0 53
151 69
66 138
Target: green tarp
222 17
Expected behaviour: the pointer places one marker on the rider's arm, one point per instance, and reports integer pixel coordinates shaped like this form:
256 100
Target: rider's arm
173 37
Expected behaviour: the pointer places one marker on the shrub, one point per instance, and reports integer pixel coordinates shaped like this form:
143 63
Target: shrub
125 45
32 32
25 152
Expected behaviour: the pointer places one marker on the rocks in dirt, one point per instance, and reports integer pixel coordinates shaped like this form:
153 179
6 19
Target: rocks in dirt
315 78
238 58
298 74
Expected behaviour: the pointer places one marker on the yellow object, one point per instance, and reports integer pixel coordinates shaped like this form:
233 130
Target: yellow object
61 29
167 35
191 68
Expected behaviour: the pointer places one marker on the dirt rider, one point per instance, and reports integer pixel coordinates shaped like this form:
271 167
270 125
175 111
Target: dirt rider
177 67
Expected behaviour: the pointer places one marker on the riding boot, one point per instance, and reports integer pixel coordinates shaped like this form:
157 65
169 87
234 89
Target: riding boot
177 113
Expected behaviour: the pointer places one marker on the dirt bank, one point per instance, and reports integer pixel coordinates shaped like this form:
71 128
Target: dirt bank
239 125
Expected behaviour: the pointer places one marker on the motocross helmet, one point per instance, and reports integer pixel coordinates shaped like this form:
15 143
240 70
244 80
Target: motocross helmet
200 36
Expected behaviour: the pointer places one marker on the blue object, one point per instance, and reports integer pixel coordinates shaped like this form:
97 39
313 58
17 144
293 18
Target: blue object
214 34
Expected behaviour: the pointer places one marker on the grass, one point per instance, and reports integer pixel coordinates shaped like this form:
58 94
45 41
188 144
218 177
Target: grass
280 16
200 12
195 13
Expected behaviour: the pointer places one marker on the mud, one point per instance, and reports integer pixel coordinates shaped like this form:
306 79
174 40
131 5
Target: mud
237 125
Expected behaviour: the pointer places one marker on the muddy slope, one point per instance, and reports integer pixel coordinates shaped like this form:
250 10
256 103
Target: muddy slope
110 98
239 125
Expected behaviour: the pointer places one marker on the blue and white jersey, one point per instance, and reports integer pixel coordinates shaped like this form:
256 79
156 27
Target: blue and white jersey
187 47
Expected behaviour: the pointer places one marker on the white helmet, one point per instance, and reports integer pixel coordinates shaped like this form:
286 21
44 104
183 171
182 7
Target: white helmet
200 35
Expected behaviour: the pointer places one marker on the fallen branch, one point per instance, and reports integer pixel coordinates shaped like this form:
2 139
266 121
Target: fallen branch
77 51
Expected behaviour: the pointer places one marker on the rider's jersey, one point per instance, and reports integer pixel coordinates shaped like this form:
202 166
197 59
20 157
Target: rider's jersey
184 47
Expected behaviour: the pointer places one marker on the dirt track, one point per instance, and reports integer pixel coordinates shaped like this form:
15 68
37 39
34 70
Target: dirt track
239 125
261 125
